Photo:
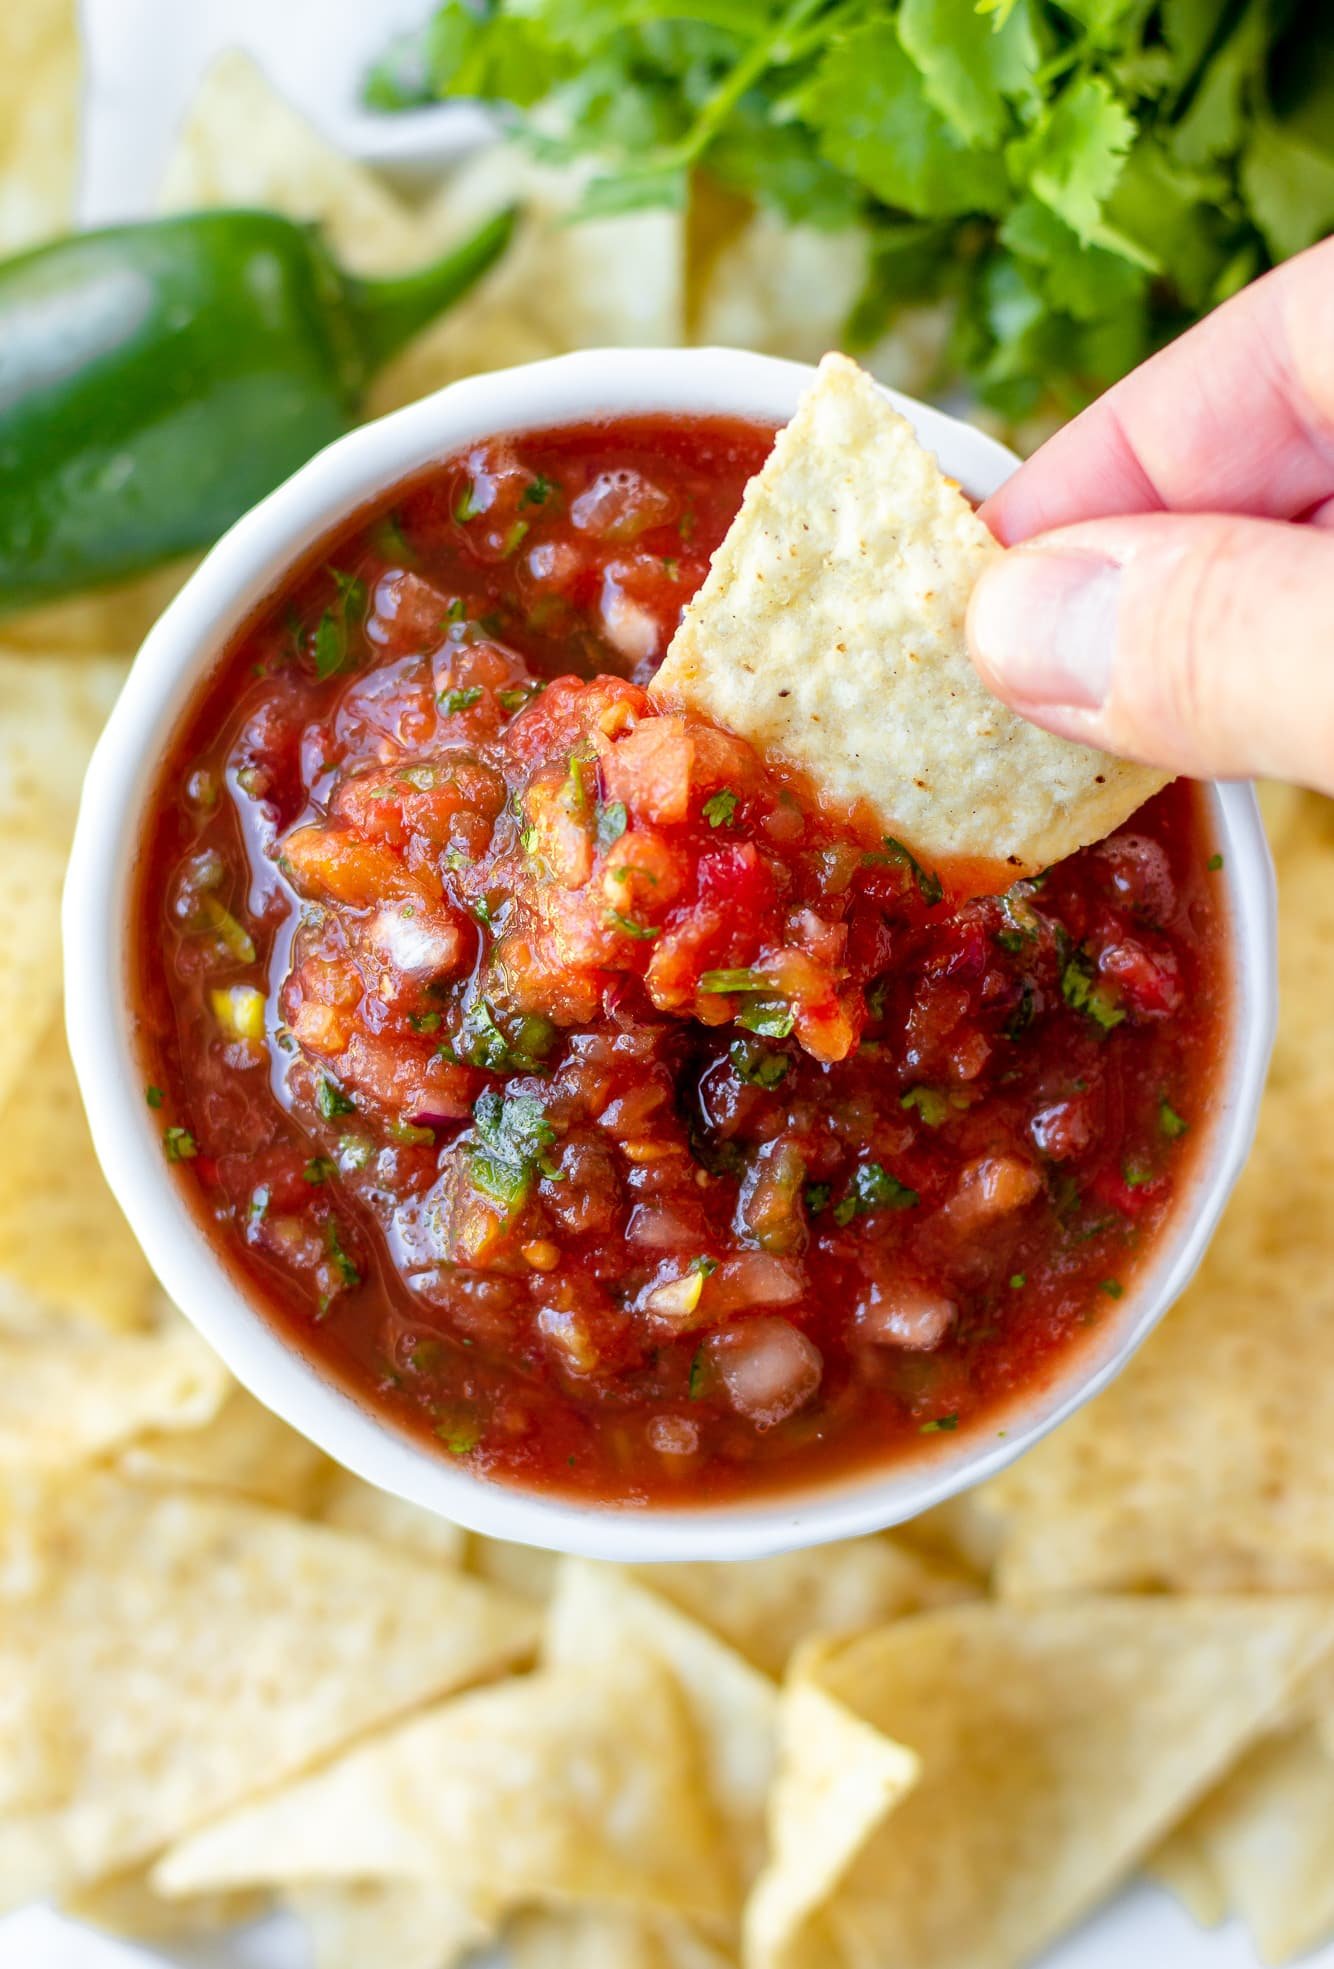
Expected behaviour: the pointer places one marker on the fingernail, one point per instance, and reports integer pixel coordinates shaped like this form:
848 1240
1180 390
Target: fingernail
1043 626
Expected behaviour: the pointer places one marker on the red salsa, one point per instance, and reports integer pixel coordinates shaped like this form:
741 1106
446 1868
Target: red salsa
564 1082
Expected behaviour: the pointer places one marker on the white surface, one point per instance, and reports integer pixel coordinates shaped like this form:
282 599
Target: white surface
144 56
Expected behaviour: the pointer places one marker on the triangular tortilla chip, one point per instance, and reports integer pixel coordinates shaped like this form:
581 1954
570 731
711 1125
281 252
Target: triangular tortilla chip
67 1395
830 632
598 1613
838 1777
766 1607
176 1653
1057 1744
600 1938
244 1448
1265 1838
63 1240
409 1925
573 1784
356 1506
39 120
243 144
615 282
50 715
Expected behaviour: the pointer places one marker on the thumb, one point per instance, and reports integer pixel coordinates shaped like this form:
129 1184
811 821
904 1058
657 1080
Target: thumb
1197 642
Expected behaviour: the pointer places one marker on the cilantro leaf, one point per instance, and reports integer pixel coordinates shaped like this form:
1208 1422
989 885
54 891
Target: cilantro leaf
866 106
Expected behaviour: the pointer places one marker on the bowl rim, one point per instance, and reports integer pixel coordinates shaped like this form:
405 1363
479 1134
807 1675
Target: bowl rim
245 566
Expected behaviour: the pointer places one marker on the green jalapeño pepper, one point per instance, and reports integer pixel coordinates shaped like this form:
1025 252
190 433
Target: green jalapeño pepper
158 379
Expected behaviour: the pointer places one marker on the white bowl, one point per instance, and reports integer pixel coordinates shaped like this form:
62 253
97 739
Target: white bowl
242 570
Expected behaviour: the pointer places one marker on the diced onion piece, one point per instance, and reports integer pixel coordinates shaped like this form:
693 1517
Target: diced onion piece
674 1435
989 1188
239 1010
660 1228
901 1314
414 943
755 1278
768 1368
628 627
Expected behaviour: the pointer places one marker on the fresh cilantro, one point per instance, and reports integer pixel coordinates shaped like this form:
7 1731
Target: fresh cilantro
334 1251
1112 1287
730 981
611 824
1075 182
873 1188
154 1096
460 1434
1134 1175
331 1100
424 1021
720 811
1084 994
515 696
1018 1280
817 1197
940 1424
319 1169
179 1144
508 1152
645 932
932 1106
1170 1122
758 1066
330 645
459 700
929 885
483 1042
1214 863
771 1018
539 491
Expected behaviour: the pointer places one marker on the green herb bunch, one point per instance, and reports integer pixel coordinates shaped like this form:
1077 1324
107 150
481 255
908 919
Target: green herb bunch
1083 178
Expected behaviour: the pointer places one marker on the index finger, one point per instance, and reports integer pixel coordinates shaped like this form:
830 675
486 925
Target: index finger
1237 416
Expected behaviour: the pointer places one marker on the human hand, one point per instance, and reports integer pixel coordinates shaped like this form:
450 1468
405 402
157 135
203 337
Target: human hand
1173 596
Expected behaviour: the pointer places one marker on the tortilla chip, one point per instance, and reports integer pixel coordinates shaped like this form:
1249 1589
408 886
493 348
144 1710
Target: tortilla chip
1057 1744
68 1395
39 112
569 1784
242 1449
409 1925
125 1904
1265 1839
790 290
597 283
356 1506
243 144
178 1652
518 1568
114 618
830 631
63 1241
599 1613
50 715
765 1607
837 1779
1209 1464
601 1938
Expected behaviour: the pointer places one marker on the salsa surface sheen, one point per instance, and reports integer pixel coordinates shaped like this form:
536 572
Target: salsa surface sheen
566 1085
